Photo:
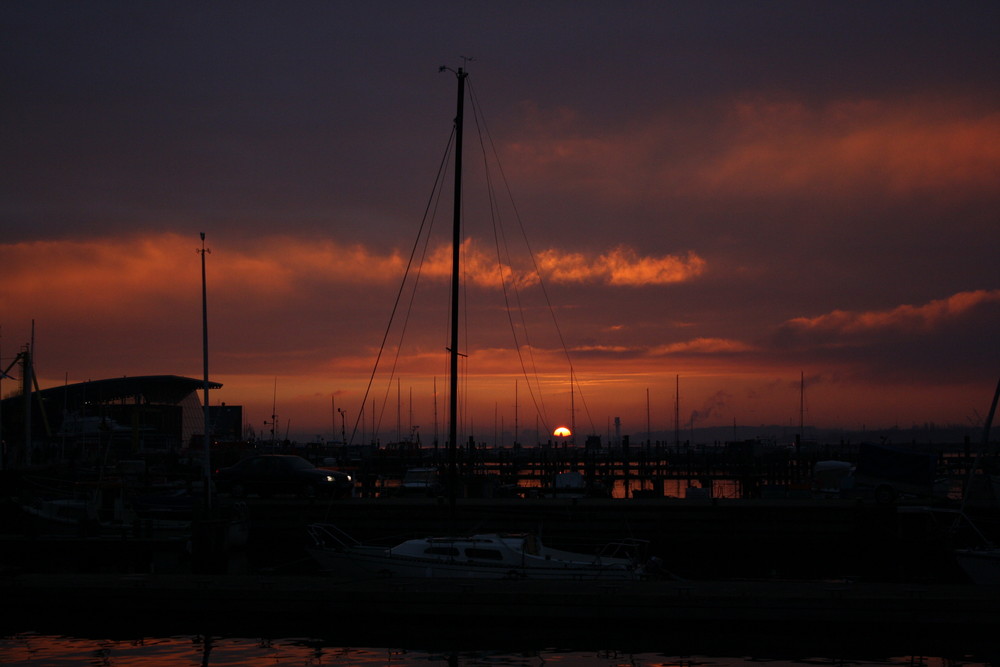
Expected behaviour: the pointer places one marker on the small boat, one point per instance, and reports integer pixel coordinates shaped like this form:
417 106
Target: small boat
571 484
112 510
485 556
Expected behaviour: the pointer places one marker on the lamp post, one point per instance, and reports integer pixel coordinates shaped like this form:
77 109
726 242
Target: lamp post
343 425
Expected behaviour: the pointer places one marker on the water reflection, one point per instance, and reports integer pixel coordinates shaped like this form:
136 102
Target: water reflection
35 649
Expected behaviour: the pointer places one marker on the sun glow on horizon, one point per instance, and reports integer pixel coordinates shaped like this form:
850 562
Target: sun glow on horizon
562 432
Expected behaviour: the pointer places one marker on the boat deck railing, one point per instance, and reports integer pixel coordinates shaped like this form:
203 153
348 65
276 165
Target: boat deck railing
329 535
631 548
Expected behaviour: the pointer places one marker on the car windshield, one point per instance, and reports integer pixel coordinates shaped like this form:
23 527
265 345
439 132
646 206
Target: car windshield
297 463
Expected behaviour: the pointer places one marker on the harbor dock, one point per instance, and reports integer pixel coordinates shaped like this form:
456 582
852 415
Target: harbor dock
772 565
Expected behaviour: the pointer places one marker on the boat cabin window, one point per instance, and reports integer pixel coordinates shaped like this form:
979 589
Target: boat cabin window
441 551
483 554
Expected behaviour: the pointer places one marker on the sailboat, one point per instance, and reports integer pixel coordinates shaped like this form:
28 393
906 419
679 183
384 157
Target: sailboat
483 556
493 555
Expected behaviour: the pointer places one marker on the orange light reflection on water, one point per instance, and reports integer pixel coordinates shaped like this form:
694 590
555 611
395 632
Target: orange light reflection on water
37 649
31 649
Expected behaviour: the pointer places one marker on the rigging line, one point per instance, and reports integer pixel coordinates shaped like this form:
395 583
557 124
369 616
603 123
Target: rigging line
537 396
413 294
541 282
500 239
498 234
427 209
409 311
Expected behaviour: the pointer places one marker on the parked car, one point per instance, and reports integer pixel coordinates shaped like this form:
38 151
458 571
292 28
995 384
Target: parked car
270 474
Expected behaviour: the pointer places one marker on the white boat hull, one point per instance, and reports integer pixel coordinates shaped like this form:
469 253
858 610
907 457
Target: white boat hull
364 561
489 556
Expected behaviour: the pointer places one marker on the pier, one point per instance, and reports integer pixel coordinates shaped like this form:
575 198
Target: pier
744 469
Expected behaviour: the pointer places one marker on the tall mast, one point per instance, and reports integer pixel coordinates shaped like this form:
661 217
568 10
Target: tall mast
206 465
515 414
648 423
2 376
802 405
572 409
455 276
677 411
274 417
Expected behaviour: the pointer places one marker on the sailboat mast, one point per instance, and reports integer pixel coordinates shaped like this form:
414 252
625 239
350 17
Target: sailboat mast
455 276
802 404
677 412
515 414
572 409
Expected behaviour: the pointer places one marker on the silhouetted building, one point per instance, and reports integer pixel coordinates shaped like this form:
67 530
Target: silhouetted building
226 422
101 419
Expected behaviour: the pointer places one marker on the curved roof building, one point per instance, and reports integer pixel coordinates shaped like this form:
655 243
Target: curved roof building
130 414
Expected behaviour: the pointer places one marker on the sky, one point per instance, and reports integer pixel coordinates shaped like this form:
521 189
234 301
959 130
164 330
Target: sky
706 206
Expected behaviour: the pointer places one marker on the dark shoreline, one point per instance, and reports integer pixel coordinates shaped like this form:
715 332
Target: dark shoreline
652 615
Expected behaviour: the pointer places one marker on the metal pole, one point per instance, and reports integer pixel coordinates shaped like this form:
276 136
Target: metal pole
207 467
649 427
3 451
26 391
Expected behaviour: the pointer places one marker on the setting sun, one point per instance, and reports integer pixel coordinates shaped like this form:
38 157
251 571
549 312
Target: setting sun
562 432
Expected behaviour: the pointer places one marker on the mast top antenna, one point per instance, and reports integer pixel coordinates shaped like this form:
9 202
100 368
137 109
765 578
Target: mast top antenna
461 70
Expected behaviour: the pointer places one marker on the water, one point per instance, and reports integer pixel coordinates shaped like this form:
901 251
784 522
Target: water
36 649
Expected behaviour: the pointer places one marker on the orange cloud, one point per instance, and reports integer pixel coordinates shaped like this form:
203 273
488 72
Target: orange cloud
278 264
768 146
621 266
106 274
924 317
613 349
95 277
702 346
900 146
